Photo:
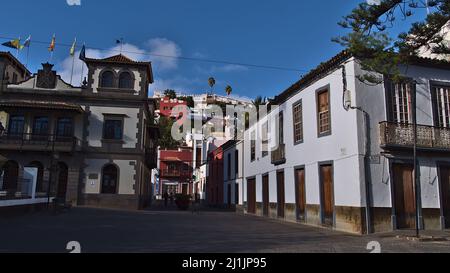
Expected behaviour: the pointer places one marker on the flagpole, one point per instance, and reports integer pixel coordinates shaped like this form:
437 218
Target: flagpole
28 53
73 60
82 69
18 49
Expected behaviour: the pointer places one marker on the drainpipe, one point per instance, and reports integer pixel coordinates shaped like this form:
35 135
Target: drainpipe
367 174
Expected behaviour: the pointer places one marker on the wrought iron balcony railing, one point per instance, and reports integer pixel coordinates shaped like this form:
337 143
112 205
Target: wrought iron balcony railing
402 135
34 142
278 156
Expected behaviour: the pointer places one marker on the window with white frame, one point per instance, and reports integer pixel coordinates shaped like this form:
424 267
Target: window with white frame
441 105
400 102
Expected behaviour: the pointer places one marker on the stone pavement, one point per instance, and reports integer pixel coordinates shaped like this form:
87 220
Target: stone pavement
174 231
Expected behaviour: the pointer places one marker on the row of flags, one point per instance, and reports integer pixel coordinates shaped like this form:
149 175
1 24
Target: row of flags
16 44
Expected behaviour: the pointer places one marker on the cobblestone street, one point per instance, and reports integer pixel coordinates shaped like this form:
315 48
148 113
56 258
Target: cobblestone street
174 231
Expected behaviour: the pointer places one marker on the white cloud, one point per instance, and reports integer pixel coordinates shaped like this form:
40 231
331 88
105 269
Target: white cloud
373 2
165 53
232 68
159 46
66 66
73 2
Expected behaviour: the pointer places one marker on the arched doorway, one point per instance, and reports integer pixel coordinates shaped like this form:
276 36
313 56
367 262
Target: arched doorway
10 177
109 179
62 175
40 175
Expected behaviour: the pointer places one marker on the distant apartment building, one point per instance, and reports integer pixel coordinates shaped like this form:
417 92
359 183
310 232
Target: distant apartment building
93 145
166 106
338 153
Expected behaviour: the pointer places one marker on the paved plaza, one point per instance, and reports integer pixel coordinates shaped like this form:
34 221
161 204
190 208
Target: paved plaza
183 232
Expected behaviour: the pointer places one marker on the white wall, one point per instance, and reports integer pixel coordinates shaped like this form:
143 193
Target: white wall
96 119
372 100
127 173
341 147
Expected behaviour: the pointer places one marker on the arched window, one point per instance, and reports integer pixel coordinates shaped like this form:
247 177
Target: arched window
10 173
109 179
126 81
40 175
107 79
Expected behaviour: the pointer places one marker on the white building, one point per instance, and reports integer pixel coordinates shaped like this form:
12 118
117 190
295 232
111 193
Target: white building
327 166
233 173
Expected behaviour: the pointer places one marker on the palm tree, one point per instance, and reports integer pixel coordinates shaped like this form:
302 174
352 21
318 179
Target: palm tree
211 82
228 90
259 101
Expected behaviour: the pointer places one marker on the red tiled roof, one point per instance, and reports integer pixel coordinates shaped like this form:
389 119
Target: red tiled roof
326 67
122 59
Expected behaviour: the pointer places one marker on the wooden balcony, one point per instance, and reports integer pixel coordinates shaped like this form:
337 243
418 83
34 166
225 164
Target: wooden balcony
39 143
397 135
176 173
278 156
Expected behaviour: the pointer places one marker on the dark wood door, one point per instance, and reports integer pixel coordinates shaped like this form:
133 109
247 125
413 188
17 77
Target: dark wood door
63 173
10 177
265 188
251 196
280 194
326 177
229 195
444 177
405 206
300 193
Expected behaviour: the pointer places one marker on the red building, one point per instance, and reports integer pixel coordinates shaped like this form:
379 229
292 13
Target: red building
214 182
167 104
175 171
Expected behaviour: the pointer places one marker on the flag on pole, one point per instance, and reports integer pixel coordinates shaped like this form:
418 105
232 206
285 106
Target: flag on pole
51 48
83 53
27 42
72 49
14 44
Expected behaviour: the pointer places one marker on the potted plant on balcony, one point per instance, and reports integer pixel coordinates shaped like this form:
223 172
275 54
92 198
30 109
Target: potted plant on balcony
182 201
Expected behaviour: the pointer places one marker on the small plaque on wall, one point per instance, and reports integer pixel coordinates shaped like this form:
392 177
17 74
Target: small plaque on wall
93 176
375 159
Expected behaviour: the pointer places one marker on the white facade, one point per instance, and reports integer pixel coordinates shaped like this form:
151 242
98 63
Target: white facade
233 175
344 149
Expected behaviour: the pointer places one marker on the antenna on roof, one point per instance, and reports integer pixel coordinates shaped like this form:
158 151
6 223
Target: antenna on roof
120 41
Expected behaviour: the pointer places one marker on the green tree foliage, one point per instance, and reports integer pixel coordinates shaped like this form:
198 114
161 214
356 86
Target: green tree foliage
170 93
370 42
189 100
166 141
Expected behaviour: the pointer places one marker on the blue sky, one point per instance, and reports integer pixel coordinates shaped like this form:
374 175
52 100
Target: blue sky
286 33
